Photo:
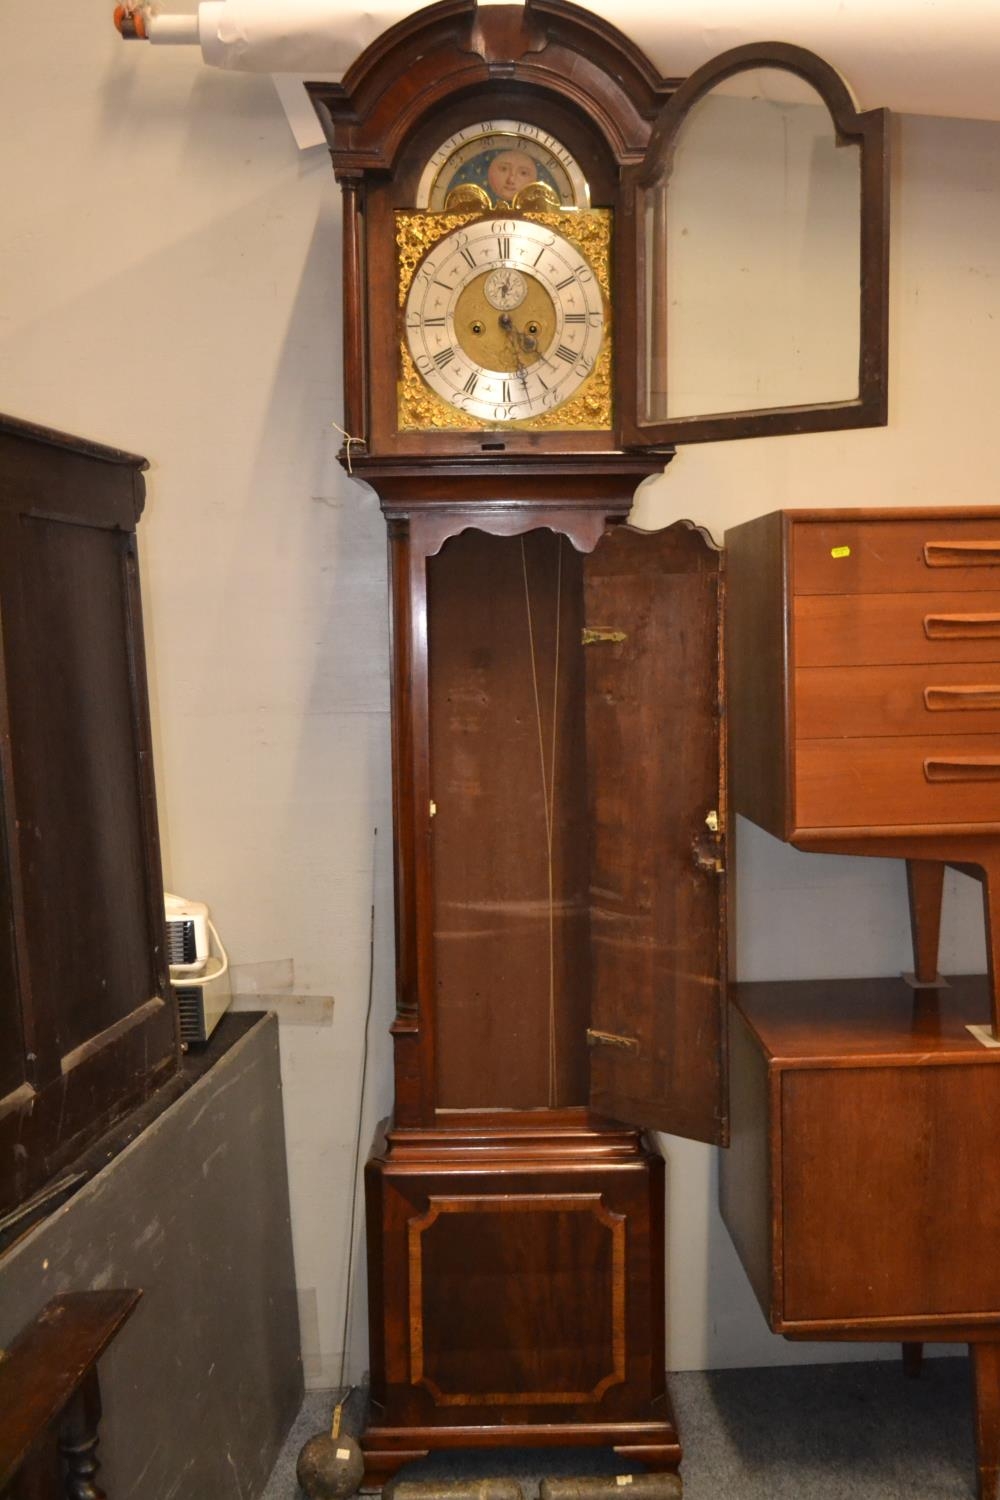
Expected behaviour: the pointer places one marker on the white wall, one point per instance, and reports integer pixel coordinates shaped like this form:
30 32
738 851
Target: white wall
169 283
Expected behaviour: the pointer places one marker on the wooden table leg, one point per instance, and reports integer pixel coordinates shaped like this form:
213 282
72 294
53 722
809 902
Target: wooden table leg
925 885
913 1360
78 1442
986 1397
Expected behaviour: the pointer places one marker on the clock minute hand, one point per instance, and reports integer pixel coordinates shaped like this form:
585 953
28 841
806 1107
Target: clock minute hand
514 340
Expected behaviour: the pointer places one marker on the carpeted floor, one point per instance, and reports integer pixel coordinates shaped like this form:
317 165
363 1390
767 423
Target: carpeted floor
833 1432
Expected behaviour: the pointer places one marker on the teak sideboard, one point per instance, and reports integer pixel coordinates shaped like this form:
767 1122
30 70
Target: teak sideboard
863 661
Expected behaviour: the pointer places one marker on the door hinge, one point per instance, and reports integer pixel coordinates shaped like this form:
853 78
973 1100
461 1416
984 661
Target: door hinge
708 859
595 634
610 1039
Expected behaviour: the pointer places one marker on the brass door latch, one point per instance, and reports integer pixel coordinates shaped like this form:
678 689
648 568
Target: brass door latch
595 634
610 1039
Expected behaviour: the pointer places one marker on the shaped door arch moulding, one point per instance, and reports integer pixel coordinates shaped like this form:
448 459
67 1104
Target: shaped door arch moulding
868 132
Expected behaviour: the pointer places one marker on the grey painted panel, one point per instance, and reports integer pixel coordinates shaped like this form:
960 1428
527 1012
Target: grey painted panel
201 1386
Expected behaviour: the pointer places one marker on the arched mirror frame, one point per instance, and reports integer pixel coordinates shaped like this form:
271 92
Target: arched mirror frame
869 131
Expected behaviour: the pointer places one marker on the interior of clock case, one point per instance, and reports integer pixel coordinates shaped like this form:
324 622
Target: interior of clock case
572 783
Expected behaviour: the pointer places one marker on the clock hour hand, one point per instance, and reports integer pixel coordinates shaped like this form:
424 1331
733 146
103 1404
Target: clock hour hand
519 343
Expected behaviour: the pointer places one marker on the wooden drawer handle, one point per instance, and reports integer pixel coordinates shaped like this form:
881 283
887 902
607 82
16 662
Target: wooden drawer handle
962 554
964 768
961 627
945 699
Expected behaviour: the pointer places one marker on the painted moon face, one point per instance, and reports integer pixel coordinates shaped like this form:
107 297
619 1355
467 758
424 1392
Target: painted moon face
497 160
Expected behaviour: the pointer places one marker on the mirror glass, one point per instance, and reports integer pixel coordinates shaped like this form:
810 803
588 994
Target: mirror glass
753 255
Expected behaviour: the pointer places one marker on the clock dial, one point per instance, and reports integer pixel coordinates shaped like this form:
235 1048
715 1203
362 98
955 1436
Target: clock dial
505 319
492 161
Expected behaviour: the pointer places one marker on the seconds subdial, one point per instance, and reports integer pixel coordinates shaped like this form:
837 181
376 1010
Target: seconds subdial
505 289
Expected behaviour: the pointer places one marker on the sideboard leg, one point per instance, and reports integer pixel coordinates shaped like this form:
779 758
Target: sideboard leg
986 1398
991 907
78 1442
925 885
913 1360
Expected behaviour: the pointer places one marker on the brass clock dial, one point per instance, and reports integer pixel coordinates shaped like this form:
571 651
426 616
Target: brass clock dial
505 319
490 162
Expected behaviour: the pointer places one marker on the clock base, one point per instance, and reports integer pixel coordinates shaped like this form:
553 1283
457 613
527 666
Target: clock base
390 1448
516 1289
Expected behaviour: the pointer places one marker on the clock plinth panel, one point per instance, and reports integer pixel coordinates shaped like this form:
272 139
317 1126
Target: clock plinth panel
517 1299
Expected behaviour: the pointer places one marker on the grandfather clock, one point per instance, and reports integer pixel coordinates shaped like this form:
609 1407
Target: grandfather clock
558 780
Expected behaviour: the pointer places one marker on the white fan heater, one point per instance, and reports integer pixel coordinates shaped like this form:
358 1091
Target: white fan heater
200 977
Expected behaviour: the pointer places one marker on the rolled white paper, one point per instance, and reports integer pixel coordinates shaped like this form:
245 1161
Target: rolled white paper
172 30
292 36
935 57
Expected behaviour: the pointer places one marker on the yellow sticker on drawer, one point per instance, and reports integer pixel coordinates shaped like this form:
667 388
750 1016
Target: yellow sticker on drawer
840 551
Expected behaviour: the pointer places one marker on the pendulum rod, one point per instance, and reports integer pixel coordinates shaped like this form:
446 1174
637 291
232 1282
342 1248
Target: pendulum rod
548 791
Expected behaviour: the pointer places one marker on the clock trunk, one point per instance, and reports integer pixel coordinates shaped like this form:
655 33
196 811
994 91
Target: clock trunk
557 775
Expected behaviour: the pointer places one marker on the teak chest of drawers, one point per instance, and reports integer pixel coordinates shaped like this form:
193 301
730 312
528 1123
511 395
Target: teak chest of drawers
864 693
863 667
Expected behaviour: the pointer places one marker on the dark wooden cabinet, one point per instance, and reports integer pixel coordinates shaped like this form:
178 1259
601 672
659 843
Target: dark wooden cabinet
87 1028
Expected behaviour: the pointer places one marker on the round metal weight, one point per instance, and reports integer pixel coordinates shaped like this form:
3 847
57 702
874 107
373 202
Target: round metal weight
330 1468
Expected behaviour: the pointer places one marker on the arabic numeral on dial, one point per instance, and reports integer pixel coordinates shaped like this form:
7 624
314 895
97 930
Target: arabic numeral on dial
501 413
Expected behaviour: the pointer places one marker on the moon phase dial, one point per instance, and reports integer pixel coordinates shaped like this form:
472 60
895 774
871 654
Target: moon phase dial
505 320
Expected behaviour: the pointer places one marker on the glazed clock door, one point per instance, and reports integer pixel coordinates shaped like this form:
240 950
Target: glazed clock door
760 262
654 763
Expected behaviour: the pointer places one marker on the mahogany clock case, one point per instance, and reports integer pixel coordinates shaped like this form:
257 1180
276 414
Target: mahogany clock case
558 775
560 943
